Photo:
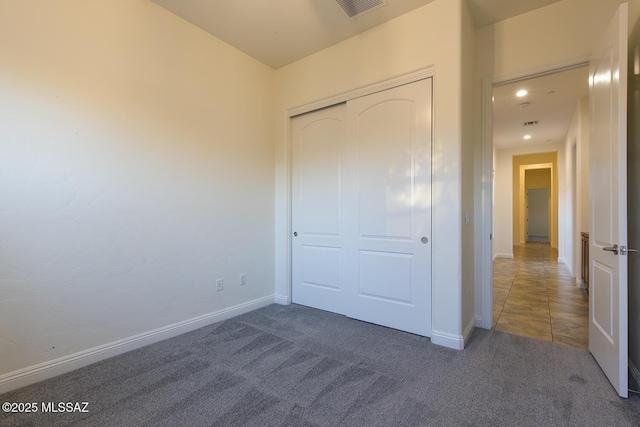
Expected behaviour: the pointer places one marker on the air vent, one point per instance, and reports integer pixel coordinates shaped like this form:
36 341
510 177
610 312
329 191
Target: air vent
358 7
535 122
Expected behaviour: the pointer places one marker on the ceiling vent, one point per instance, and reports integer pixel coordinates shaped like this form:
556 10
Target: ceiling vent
355 8
535 122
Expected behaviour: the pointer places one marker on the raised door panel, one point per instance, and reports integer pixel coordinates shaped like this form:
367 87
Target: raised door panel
385 142
389 134
317 196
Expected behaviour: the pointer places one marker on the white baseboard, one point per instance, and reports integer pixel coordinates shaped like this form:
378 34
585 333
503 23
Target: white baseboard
499 255
468 331
62 365
635 373
480 324
446 339
562 260
282 299
580 284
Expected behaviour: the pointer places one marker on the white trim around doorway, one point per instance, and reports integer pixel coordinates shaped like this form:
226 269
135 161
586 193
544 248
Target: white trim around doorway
485 255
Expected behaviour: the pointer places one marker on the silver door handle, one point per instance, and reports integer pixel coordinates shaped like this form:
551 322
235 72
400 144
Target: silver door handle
624 250
613 249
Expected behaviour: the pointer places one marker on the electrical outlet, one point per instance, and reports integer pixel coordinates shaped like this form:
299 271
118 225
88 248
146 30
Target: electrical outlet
219 285
243 279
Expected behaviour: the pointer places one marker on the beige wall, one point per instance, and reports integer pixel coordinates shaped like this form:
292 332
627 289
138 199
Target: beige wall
136 168
428 36
574 194
552 34
518 214
583 164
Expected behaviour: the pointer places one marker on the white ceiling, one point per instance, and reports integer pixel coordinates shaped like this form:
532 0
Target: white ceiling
551 101
279 32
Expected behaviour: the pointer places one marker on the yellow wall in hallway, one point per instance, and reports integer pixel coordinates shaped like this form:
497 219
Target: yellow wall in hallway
537 178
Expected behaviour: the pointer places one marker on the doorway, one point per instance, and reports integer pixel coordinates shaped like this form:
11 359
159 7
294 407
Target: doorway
538 215
534 287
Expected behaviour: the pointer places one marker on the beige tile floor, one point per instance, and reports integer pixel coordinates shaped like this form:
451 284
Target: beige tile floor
534 296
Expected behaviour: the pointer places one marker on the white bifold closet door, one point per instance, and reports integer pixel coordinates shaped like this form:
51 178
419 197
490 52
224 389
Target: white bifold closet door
362 208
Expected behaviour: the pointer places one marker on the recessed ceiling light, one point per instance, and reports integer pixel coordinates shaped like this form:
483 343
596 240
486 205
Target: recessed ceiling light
527 137
521 93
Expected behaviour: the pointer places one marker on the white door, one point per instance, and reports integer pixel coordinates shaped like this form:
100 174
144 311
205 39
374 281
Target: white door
362 208
318 199
389 135
608 341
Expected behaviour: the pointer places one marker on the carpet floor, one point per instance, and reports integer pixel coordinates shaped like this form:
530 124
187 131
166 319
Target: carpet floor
296 366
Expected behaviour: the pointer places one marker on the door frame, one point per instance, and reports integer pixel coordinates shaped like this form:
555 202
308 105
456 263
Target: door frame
419 74
521 199
528 209
483 253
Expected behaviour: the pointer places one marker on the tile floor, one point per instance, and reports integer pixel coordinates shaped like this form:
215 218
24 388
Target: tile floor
534 296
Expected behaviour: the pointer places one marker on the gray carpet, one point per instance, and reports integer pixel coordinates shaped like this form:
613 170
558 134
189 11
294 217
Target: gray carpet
296 366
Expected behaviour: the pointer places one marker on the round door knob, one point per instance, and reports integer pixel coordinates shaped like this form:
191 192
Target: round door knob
424 240
295 234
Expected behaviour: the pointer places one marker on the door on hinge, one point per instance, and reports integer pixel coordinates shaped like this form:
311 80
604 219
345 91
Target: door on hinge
608 340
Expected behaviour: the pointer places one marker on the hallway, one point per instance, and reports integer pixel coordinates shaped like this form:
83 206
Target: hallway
534 296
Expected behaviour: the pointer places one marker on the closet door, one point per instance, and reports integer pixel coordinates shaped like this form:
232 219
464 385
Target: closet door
318 199
387 228
362 208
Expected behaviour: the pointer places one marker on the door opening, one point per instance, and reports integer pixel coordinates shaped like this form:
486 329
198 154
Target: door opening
534 221
538 215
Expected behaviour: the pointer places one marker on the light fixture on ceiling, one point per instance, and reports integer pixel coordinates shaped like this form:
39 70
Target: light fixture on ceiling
521 93
355 8
527 137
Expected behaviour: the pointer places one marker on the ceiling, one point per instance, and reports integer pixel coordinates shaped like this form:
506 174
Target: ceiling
279 32
551 100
